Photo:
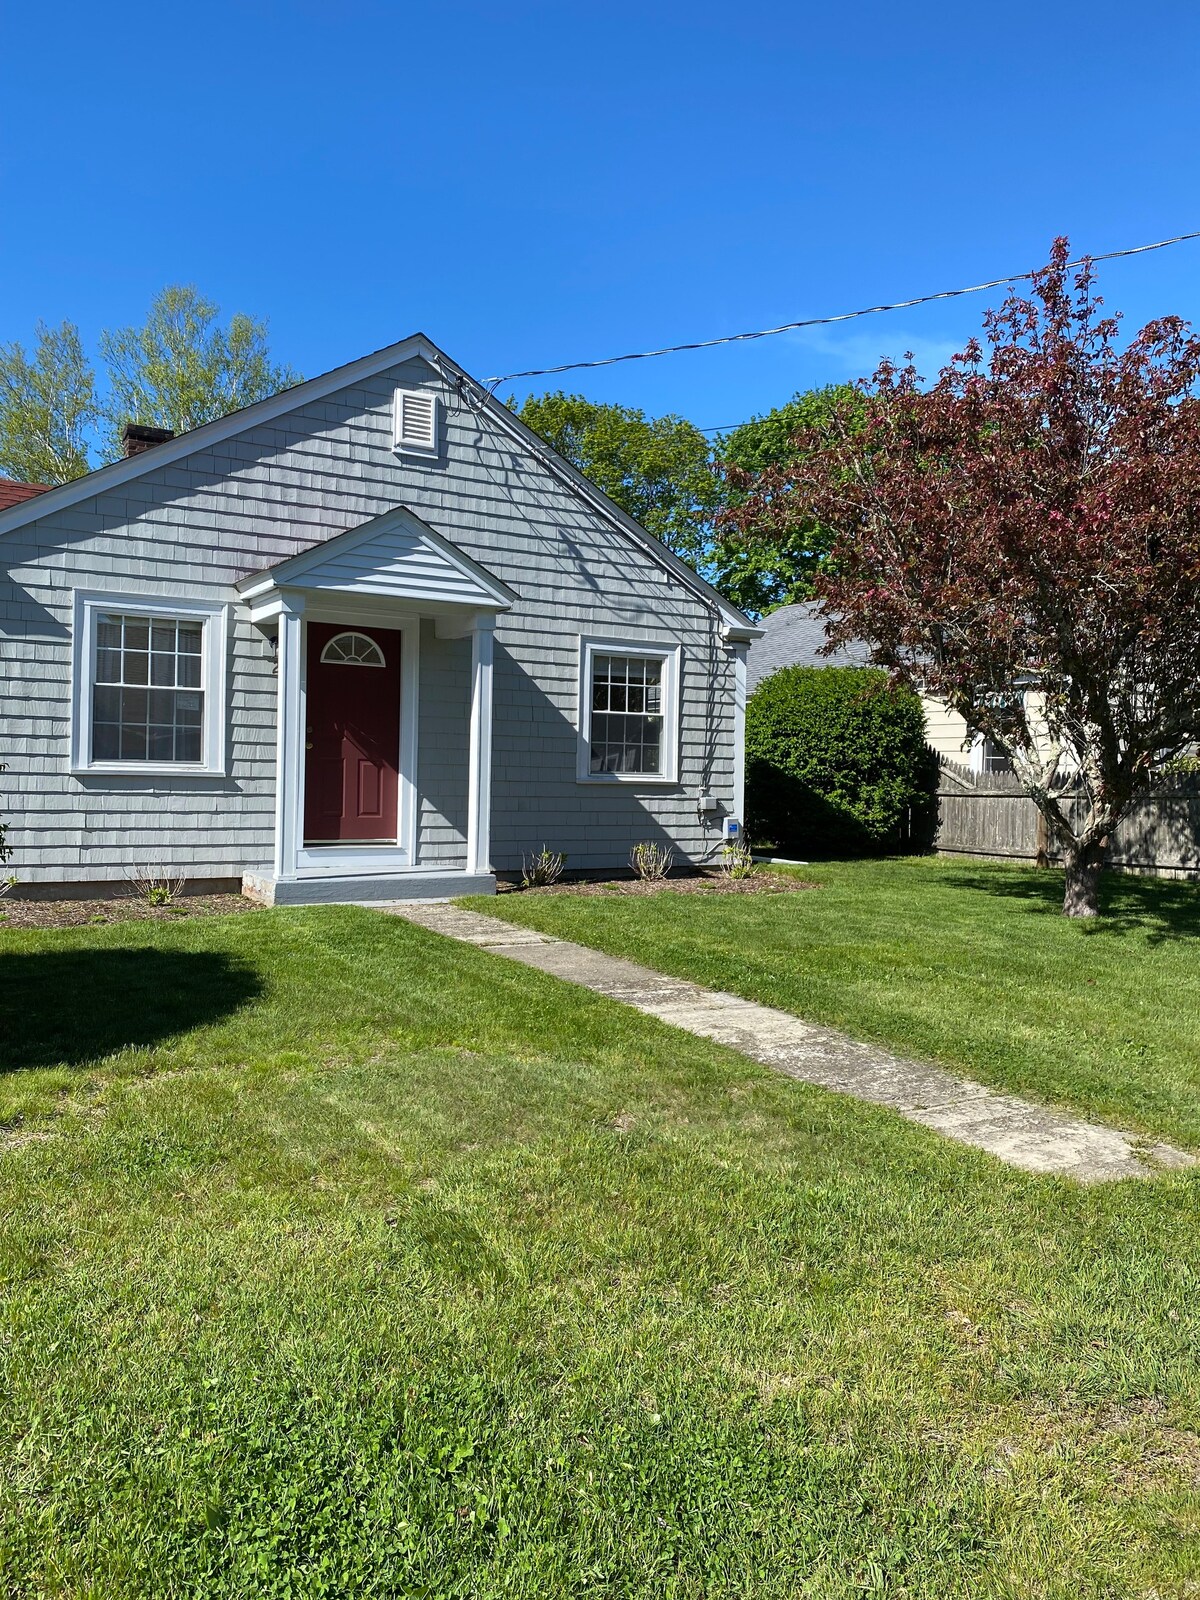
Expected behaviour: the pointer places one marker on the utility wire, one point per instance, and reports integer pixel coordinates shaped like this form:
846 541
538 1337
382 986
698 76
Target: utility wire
817 322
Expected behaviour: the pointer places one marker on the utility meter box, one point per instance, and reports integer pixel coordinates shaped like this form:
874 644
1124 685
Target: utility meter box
732 829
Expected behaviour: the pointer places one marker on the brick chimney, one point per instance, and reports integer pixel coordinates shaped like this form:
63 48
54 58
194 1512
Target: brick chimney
136 437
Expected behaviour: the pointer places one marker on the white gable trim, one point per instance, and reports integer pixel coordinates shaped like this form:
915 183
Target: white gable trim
430 572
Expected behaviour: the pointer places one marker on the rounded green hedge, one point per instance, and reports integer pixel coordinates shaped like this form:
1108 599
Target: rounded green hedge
836 763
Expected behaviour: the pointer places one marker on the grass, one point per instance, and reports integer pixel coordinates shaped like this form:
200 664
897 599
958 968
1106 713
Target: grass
962 962
340 1260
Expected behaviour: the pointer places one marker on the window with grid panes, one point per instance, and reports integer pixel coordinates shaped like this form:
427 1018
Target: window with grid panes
147 694
627 714
995 759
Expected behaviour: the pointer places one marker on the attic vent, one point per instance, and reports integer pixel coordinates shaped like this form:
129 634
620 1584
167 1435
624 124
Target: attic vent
416 421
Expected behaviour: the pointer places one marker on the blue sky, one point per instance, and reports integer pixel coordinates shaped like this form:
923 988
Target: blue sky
534 183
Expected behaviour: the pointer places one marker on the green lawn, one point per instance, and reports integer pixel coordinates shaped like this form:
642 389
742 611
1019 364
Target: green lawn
339 1260
962 962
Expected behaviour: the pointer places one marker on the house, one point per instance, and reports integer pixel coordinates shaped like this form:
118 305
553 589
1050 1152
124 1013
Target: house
13 493
368 639
794 636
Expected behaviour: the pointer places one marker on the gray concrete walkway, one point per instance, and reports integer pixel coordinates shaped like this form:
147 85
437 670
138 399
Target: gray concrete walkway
1019 1132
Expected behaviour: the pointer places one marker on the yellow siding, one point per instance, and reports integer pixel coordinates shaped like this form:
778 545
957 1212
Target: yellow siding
946 731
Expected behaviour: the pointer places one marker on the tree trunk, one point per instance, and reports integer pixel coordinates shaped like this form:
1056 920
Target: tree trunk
1084 863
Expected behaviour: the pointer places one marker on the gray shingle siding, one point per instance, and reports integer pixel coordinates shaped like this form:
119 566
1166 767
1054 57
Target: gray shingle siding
443 722
195 526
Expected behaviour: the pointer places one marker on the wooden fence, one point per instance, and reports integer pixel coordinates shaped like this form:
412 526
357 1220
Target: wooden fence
988 814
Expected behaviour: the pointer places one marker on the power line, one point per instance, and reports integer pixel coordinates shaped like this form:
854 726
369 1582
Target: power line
817 322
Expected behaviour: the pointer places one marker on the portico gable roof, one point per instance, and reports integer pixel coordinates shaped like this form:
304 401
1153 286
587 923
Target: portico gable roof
395 556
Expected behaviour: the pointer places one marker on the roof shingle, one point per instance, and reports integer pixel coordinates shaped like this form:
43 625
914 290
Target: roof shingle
793 636
12 492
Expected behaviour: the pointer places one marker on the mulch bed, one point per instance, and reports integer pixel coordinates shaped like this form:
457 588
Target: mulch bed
78 913
760 882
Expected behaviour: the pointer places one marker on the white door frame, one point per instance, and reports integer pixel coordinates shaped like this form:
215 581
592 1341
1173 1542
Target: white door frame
292 858
294 610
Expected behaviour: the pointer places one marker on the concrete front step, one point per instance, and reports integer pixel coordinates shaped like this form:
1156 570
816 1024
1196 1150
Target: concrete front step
365 888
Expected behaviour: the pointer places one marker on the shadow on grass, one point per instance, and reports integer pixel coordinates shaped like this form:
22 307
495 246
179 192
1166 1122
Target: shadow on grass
1158 908
65 1007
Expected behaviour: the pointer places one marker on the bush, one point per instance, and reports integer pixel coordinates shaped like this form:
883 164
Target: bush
542 869
651 862
836 763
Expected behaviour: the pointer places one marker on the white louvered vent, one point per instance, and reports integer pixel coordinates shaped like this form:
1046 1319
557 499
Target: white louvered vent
416 421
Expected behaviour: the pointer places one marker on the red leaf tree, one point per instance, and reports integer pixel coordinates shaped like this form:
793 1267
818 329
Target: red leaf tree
1021 540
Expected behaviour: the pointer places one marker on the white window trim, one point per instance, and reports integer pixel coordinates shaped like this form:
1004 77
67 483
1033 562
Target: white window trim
405 446
214 653
977 756
671 657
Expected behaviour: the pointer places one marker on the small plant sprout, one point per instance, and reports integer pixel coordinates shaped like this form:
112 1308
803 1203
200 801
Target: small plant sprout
153 888
737 860
5 847
651 862
542 869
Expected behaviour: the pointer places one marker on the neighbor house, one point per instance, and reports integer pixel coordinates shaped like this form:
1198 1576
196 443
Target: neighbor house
368 639
794 636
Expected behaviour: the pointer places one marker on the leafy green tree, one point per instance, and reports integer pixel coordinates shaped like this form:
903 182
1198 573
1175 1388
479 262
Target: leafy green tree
182 367
47 407
761 574
657 469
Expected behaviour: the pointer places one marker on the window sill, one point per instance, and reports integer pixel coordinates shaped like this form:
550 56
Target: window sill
146 769
638 779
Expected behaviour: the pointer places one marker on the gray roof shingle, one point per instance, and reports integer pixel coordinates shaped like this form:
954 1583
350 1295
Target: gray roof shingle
793 637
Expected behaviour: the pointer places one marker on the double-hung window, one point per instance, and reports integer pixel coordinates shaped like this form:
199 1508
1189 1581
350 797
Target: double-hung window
147 695
149 680
629 697
993 757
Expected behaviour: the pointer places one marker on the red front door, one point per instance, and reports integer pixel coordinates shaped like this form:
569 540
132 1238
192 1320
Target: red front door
352 761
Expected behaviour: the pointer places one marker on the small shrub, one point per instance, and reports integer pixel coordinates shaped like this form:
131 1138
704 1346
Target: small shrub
837 764
542 869
153 888
737 860
651 861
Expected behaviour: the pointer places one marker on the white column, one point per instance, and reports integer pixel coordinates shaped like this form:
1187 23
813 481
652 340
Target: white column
289 747
479 782
739 732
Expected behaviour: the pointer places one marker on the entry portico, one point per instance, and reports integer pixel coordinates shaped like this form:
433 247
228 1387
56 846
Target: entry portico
344 620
